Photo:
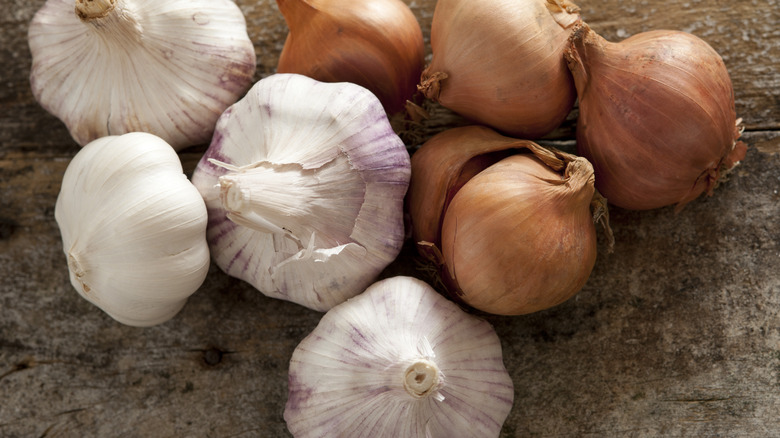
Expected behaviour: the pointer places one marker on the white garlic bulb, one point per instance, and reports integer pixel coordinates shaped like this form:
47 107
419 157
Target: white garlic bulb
167 67
398 360
304 182
133 228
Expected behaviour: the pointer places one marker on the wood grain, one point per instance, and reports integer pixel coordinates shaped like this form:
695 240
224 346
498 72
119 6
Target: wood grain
676 334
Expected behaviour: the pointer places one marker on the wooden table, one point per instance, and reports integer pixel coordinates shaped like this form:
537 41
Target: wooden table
677 332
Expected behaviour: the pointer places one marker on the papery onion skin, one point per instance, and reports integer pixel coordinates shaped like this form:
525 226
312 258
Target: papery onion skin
448 160
507 237
657 117
519 237
377 44
500 63
442 165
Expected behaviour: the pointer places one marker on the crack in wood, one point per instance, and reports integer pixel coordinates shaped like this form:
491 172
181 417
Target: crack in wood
21 366
70 411
29 363
698 400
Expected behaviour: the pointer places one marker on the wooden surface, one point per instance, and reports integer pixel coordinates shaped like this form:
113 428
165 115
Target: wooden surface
676 334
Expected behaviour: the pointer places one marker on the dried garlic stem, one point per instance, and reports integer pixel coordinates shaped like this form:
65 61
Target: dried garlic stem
421 378
250 197
77 269
113 16
91 9
288 199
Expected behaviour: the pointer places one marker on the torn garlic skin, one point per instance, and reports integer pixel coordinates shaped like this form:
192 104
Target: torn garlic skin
304 182
167 67
398 360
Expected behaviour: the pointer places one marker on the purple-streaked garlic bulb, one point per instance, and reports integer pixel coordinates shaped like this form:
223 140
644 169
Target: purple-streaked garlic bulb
167 67
304 183
399 360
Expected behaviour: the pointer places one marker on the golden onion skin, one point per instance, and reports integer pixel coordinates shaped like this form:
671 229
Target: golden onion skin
377 44
508 224
442 165
657 117
500 63
519 237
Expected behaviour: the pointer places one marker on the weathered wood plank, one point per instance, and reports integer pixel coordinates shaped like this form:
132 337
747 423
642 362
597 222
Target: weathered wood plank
677 333
745 34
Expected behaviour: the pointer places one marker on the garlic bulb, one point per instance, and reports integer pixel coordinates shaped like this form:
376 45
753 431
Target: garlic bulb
377 44
304 182
657 116
398 360
509 223
167 67
500 63
133 228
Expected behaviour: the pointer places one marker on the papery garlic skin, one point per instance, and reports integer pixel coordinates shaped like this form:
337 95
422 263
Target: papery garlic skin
500 63
399 360
377 44
133 228
304 182
167 67
656 116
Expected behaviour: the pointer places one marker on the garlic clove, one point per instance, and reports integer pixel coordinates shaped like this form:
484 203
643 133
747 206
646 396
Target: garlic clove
168 67
377 44
399 360
304 182
657 117
133 228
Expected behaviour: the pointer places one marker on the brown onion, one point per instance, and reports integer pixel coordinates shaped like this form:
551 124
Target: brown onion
508 221
500 63
377 44
657 117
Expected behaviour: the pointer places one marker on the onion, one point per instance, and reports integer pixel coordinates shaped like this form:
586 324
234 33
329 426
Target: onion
509 222
657 117
377 44
500 63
